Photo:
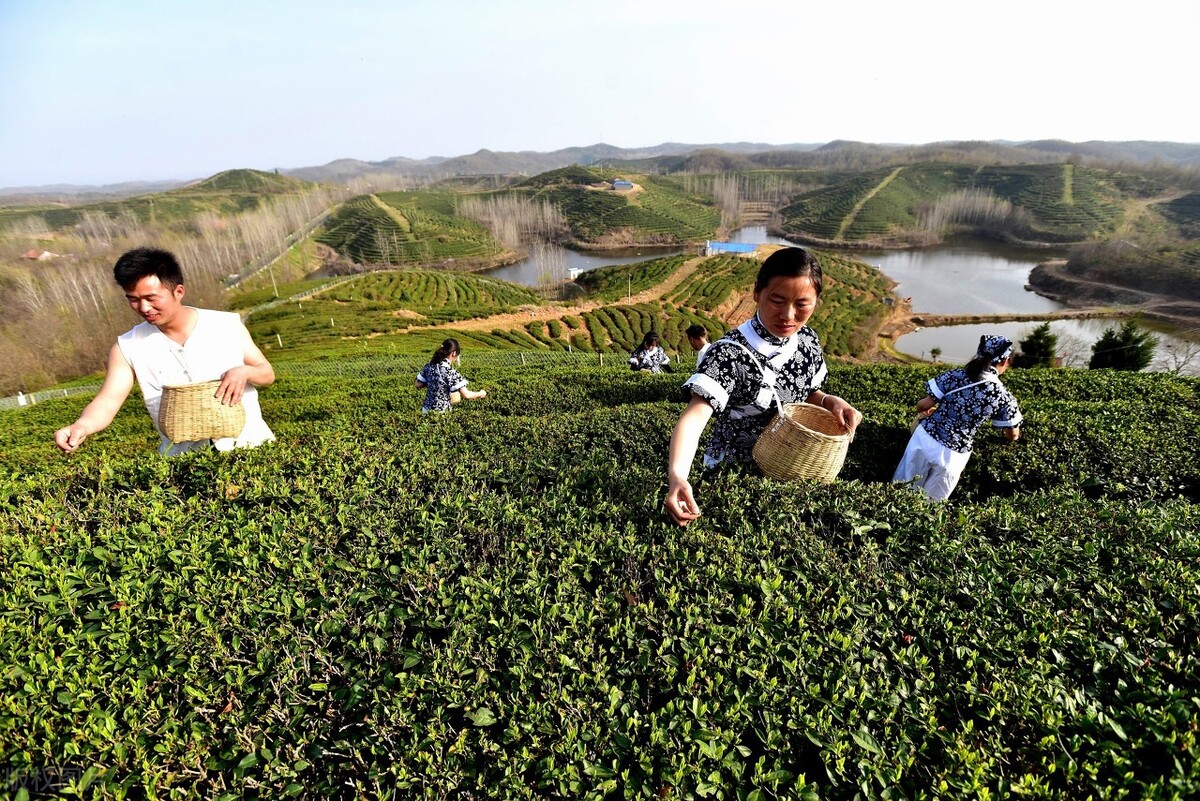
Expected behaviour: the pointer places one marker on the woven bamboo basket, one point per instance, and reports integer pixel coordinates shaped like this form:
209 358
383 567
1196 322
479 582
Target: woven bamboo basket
805 443
189 412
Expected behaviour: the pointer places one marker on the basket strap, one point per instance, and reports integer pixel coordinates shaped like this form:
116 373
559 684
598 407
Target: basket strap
768 393
965 386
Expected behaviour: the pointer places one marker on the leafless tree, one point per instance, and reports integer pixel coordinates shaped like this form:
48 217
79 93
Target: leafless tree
728 197
59 316
977 209
1073 351
1179 356
552 267
514 220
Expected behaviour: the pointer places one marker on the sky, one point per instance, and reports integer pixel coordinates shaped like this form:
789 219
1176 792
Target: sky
103 92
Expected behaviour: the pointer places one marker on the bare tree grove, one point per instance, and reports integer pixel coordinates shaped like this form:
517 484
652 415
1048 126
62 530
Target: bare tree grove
731 191
978 209
60 315
515 220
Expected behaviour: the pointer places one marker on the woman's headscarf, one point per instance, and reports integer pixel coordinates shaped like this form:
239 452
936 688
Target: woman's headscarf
995 349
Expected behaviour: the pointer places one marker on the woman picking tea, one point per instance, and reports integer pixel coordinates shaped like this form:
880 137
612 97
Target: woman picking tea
442 382
774 358
958 403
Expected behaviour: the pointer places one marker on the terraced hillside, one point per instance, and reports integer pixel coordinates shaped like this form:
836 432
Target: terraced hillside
620 304
621 280
385 302
416 228
1064 202
661 213
850 309
1184 212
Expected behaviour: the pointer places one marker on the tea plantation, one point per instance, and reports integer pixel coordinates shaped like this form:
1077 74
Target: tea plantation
491 604
1065 203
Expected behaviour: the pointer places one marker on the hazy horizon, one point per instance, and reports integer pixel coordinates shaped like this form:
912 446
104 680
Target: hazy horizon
133 91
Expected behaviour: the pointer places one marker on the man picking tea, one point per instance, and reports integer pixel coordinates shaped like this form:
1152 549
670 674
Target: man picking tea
175 344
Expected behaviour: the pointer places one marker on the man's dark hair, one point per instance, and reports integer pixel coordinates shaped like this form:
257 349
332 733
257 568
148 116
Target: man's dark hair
789 263
696 331
142 262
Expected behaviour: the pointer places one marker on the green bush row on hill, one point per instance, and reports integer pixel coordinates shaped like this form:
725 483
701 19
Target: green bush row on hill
418 228
386 302
391 302
663 212
1066 203
492 604
619 281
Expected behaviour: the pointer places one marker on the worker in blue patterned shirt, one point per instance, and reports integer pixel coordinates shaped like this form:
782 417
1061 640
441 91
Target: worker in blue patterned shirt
443 384
958 403
648 356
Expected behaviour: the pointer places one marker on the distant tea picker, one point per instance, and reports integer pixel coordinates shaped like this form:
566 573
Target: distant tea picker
175 345
958 403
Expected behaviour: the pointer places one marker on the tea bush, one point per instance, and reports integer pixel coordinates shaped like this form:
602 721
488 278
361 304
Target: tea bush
491 603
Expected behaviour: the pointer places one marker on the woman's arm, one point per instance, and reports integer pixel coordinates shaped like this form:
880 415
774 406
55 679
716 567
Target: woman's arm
469 394
680 503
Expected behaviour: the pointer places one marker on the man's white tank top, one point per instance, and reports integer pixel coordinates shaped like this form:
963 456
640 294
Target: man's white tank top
214 346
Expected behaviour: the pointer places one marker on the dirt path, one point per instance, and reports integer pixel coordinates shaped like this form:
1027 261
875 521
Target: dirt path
396 216
556 311
849 220
1125 299
1137 208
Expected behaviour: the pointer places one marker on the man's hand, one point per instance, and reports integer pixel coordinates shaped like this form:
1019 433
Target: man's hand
98 414
233 385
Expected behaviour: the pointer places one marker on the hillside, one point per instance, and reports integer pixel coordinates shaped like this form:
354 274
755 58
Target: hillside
417 228
1035 203
527 162
225 193
659 211
493 603
676 156
618 306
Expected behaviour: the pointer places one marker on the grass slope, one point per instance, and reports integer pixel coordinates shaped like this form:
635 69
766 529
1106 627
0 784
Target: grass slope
228 192
662 213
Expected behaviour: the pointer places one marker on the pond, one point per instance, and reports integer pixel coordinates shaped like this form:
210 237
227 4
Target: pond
548 262
553 260
965 276
980 277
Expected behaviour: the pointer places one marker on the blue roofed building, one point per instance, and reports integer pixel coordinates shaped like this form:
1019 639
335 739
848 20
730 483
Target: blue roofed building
712 248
